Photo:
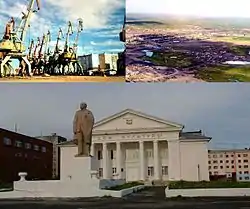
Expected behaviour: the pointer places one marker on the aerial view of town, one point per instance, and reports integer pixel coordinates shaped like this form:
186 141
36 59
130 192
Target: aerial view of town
186 47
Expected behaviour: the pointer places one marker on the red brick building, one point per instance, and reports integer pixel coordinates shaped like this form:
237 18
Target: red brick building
20 153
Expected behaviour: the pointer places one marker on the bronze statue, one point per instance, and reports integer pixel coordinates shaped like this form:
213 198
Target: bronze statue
82 128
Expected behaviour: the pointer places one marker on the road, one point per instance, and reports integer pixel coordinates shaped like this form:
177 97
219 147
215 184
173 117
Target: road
151 198
60 79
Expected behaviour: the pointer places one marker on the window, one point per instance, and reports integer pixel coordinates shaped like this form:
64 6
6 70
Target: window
27 146
246 172
215 167
239 166
209 162
215 156
227 161
36 147
209 156
149 153
239 155
239 161
221 161
232 166
164 170
150 171
18 144
209 167
114 170
240 178
100 173
7 141
215 161
210 173
245 161
221 167
232 155
245 155
232 161
221 155
216 173
247 178
99 155
245 166
112 154
227 166
227 156
43 149
18 155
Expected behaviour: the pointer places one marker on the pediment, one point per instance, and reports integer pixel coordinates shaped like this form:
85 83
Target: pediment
132 120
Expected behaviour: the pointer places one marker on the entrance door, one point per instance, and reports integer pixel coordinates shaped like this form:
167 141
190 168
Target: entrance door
132 174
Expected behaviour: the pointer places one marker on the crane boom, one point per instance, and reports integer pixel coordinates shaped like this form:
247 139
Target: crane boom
47 41
22 29
36 46
59 36
79 30
41 46
69 32
30 48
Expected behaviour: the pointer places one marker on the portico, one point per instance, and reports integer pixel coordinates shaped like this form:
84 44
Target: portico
136 146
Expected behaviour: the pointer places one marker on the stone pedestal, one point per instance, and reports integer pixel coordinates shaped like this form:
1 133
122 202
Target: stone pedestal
78 169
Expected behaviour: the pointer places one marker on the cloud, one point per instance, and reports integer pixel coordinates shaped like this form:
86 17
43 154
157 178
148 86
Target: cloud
95 13
221 8
106 43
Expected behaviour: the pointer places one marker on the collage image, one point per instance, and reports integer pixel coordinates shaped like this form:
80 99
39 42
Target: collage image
177 134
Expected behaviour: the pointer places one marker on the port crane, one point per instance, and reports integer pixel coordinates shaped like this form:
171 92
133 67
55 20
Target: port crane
46 48
121 59
31 47
123 33
12 44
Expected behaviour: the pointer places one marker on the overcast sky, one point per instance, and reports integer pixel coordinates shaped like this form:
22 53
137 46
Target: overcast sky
220 110
210 8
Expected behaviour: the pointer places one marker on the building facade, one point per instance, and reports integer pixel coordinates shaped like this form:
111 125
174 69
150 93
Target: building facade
230 162
55 140
86 61
20 153
135 146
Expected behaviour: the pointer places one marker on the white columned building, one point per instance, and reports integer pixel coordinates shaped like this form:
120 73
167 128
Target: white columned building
135 146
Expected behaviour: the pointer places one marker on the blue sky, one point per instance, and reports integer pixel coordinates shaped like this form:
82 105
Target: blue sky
102 21
208 8
220 110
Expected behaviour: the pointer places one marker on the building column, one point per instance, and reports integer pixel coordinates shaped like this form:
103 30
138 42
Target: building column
92 149
174 165
105 160
156 161
142 160
118 159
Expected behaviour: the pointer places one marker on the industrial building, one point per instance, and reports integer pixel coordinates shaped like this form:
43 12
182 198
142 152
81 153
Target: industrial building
21 153
102 61
55 140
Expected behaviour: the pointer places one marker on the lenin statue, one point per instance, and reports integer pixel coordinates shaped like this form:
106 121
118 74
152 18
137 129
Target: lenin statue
82 127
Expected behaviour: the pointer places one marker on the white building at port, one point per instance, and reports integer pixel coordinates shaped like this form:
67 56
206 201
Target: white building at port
135 146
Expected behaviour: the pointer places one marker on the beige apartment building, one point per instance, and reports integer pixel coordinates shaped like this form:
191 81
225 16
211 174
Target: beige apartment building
227 162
